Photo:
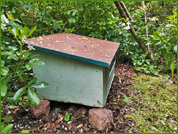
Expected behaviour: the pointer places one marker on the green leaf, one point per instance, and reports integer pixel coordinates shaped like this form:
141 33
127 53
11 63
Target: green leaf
7 118
12 32
12 48
135 75
40 85
175 48
32 81
17 20
5 39
13 56
28 66
10 100
21 34
26 56
67 117
167 76
71 21
172 68
9 94
4 86
33 96
147 72
26 31
18 94
36 62
155 72
17 31
4 71
7 128
32 30
126 99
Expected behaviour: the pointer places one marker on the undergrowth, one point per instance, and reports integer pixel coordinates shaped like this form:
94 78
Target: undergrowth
157 110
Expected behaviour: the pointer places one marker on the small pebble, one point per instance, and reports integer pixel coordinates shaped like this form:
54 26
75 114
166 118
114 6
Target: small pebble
81 130
28 126
11 107
12 120
65 128
8 112
69 122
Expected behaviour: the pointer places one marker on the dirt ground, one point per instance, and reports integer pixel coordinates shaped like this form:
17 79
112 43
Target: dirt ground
79 123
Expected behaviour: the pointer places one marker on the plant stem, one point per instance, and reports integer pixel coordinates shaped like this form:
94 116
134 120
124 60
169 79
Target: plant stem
20 51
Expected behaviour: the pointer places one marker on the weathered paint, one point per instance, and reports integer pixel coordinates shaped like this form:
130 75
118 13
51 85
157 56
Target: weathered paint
78 69
91 50
72 80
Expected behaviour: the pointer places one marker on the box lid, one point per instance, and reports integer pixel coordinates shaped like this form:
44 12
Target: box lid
92 50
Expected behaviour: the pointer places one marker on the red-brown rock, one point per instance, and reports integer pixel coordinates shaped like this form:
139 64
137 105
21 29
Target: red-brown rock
100 118
41 109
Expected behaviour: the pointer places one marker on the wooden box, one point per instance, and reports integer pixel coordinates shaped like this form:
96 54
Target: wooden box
78 69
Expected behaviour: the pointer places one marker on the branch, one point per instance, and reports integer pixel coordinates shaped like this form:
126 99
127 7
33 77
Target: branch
132 30
127 12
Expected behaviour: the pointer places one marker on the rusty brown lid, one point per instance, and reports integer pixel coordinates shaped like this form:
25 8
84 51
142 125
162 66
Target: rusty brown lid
92 50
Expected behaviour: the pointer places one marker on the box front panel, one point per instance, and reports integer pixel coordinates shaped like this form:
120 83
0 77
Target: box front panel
70 80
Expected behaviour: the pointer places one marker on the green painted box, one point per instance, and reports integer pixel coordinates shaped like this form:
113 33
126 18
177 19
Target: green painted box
78 69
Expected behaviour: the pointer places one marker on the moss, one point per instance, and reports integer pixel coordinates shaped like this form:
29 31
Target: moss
159 104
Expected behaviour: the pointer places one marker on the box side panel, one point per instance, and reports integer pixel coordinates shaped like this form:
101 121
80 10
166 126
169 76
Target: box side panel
70 80
108 76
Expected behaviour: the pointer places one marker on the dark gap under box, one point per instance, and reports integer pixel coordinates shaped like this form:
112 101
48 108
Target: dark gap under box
78 69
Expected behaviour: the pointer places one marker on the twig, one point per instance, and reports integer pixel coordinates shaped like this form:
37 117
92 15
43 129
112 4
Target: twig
63 27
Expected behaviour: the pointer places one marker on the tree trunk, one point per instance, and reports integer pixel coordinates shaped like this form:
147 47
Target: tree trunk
125 14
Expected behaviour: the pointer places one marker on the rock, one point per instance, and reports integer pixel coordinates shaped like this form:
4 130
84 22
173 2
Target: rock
41 109
100 118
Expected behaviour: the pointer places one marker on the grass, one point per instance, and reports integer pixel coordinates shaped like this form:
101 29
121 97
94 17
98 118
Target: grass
157 109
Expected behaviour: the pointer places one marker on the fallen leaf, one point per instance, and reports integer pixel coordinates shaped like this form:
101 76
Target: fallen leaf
58 120
86 118
48 125
81 125
70 127
32 130
84 38
120 122
61 41
24 131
